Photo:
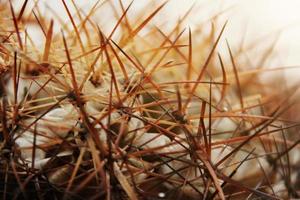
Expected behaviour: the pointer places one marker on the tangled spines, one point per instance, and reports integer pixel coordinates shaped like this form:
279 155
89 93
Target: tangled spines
92 115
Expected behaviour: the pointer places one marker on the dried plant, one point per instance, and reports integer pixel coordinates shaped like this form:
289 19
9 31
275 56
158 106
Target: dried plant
122 114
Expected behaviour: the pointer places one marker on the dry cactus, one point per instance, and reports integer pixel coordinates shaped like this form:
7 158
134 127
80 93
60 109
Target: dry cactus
158 115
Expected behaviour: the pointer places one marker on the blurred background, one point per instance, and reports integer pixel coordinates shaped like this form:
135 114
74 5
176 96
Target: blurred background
256 23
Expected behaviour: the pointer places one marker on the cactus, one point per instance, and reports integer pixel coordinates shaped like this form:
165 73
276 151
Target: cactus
123 115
